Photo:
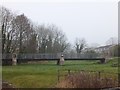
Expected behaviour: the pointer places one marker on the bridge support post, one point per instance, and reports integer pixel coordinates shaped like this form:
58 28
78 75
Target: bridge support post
102 61
61 60
58 62
14 59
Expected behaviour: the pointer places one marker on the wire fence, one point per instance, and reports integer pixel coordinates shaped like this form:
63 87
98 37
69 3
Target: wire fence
87 79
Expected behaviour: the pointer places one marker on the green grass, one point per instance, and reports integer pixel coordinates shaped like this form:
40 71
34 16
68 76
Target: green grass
45 75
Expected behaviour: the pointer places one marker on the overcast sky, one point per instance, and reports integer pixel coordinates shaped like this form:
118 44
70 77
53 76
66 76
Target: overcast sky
95 21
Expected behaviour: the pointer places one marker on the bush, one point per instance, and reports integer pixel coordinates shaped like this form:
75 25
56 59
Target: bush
87 80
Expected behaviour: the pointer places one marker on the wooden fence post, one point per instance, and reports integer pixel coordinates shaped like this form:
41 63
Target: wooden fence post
69 72
99 73
58 76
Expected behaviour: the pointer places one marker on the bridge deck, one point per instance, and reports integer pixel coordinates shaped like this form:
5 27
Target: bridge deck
9 61
38 59
24 58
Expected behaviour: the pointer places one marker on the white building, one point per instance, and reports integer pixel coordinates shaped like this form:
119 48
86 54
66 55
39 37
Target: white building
103 48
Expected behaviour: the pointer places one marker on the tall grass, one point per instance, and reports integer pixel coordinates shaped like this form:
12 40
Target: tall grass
88 80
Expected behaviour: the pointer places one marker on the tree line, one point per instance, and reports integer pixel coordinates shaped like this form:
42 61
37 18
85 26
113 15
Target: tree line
21 35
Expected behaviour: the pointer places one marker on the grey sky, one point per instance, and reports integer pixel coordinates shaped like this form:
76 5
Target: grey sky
94 21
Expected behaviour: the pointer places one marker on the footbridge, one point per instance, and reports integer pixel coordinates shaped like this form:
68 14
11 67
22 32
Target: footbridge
22 58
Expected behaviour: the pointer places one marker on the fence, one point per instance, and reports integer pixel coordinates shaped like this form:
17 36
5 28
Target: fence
48 56
87 79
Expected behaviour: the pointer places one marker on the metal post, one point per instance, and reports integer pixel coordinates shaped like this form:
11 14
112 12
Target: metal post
58 77
99 73
69 72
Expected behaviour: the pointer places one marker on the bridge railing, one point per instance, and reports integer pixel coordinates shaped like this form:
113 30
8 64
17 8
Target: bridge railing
24 58
38 56
7 56
48 56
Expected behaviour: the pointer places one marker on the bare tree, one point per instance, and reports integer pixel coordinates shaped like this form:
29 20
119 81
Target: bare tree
19 32
22 28
42 33
30 40
80 44
112 41
7 32
51 39
60 43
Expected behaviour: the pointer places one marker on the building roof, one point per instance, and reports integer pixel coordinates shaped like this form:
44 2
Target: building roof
107 46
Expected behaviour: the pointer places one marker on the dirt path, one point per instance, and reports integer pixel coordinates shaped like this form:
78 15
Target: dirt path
6 85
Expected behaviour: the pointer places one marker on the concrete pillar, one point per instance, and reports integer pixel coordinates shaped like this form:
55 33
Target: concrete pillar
62 60
58 61
102 61
14 59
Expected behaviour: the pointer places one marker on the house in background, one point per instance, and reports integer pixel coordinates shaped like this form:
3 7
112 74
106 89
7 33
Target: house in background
104 50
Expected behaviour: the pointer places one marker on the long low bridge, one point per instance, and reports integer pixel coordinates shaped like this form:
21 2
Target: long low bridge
7 58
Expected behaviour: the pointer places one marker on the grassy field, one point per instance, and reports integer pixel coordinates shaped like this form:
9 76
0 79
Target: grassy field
42 75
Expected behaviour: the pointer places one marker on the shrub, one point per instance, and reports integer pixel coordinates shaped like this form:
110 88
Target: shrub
87 80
